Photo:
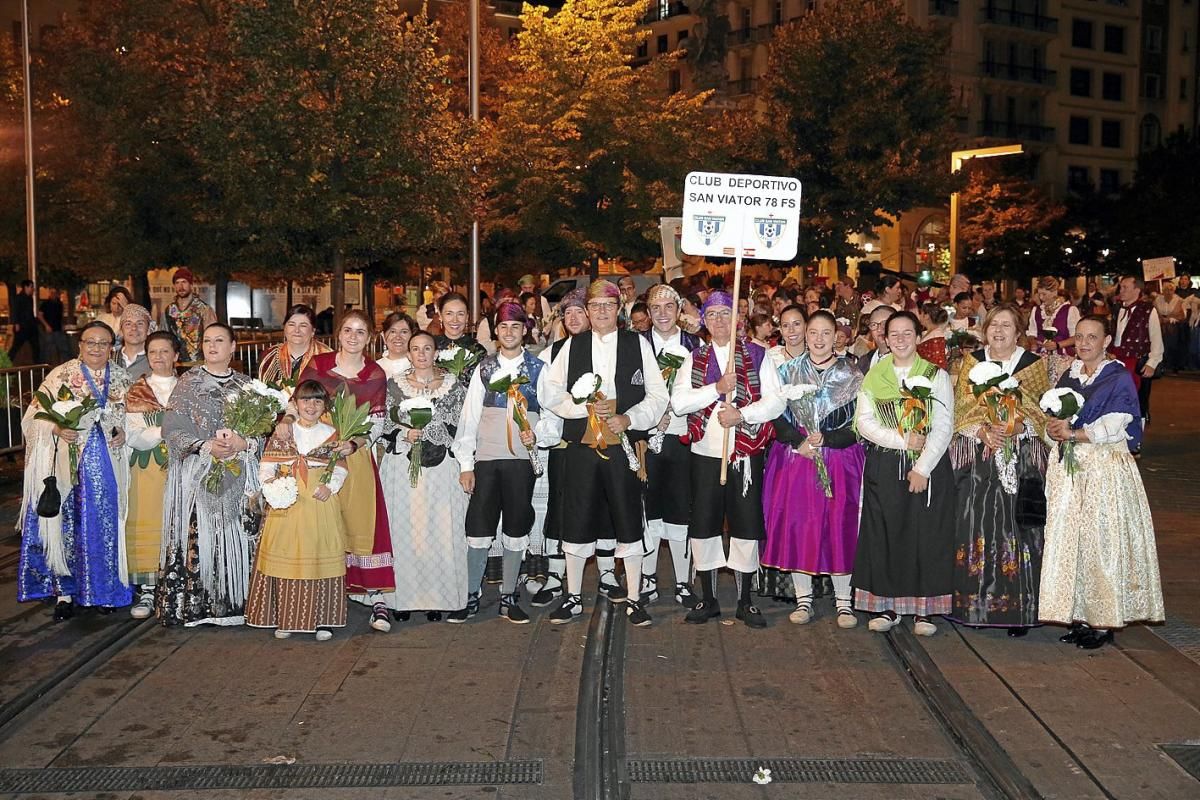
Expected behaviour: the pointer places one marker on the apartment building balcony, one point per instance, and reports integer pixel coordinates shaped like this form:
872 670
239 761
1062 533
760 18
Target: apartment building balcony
759 34
943 8
999 129
743 86
1011 19
508 8
1019 73
660 11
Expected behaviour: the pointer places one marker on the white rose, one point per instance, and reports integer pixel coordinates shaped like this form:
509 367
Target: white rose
63 407
1009 384
413 403
281 492
677 350
984 372
449 354
585 386
1051 402
918 382
258 387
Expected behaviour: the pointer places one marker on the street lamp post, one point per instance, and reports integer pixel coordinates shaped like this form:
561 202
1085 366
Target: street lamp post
957 158
30 219
474 82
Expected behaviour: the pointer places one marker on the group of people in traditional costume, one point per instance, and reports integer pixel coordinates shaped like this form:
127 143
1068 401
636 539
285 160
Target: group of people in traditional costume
904 487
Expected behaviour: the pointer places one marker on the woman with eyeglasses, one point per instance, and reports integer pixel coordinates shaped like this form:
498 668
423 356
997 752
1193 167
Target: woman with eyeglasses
72 547
905 558
205 571
369 540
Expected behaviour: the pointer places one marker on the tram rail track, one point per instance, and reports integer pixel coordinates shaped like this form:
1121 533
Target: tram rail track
601 772
26 705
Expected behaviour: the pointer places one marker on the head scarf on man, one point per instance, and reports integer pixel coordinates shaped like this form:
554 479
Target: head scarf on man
662 291
601 289
136 313
511 311
576 298
716 299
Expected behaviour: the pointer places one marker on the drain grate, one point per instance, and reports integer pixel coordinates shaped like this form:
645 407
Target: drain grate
798 770
1186 755
268 776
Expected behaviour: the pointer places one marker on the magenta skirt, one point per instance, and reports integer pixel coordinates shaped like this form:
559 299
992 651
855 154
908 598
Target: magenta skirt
807 531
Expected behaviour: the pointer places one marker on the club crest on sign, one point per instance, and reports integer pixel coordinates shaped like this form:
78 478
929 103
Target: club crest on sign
709 226
769 229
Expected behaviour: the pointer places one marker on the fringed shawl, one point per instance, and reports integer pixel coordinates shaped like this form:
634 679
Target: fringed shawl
1031 373
275 369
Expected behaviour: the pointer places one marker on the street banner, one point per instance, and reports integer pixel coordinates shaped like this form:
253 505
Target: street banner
736 216
755 216
1157 269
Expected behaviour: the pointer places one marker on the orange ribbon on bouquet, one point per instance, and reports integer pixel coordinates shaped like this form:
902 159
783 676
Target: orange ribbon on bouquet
520 408
598 435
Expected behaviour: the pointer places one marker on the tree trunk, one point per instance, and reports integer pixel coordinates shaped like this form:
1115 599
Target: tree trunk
368 290
289 295
222 304
337 287
141 290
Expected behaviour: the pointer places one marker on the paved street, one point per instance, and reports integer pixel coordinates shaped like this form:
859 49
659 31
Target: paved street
695 700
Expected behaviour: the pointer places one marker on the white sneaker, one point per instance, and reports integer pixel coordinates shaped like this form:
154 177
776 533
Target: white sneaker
883 624
144 606
324 635
846 618
924 627
283 634
380 620
803 613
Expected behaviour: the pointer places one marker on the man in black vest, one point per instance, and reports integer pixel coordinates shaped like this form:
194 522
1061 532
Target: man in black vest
602 497
573 310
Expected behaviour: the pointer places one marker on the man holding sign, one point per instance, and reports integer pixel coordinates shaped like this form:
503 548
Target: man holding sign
742 400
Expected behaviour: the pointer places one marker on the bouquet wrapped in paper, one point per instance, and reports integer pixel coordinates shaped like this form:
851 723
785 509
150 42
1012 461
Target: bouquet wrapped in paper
415 412
598 435
1064 403
801 398
508 382
68 413
670 361
1001 393
249 412
917 392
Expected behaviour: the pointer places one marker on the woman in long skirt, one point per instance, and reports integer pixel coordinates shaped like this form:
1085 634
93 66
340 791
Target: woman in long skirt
145 404
428 518
999 470
812 530
905 558
368 540
207 535
1100 570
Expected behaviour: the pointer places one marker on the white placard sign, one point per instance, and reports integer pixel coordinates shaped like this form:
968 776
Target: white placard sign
758 213
1157 269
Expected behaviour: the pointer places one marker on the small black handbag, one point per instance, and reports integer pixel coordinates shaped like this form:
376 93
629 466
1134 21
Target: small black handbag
1031 502
49 504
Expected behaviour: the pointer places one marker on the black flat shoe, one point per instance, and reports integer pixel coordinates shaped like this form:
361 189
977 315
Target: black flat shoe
1017 633
1074 634
401 616
1094 640
63 610
105 610
433 616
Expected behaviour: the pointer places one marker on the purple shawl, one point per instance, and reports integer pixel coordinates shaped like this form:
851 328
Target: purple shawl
1112 392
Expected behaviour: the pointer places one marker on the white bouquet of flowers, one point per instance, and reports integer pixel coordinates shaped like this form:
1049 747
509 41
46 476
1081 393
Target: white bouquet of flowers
802 398
281 492
1064 403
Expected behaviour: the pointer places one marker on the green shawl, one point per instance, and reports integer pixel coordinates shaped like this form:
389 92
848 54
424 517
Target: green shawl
882 388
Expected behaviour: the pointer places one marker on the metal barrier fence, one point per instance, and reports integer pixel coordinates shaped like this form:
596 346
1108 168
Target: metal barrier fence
17 384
